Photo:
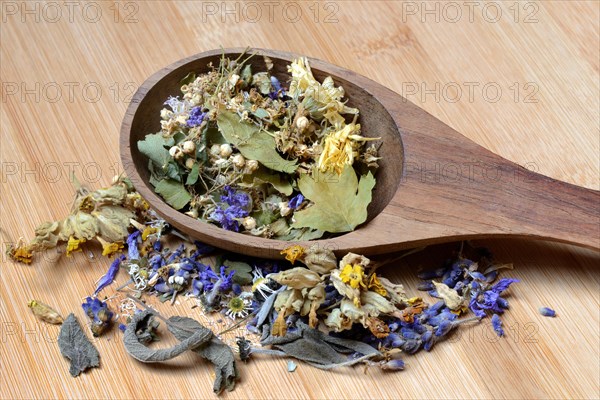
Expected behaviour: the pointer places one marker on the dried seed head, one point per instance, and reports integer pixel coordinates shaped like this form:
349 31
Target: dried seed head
189 147
225 150
251 166
176 152
215 150
302 123
284 209
239 161
249 223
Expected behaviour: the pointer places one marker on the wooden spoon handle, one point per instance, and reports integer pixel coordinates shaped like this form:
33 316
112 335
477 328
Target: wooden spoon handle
454 189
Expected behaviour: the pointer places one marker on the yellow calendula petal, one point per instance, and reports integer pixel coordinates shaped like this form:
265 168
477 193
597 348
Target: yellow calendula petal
279 325
376 286
73 245
293 253
21 253
340 148
353 275
148 231
108 249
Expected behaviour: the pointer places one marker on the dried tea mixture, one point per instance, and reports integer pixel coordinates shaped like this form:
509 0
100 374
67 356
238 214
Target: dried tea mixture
283 160
243 152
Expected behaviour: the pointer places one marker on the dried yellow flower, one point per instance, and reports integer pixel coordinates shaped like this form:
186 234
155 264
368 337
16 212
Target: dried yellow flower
344 289
378 328
73 245
108 249
148 231
21 253
376 286
293 253
340 148
353 275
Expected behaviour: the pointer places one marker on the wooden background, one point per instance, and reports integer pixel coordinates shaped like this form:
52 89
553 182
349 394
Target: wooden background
67 73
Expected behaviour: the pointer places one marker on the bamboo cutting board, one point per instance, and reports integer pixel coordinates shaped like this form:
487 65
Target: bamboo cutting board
519 78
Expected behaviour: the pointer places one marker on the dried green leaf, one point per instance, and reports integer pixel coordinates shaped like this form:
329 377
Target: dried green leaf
75 346
243 272
340 202
261 113
154 147
174 193
192 177
320 349
253 142
264 175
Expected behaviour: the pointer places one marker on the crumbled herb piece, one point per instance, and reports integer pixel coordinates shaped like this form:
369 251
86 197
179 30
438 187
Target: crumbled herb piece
75 346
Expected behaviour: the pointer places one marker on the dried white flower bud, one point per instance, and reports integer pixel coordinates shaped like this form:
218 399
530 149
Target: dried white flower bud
189 163
233 79
249 223
176 152
251 166
239 160
215 150
189 147
221 179
221 162
225 150
302 123
284 209
165 113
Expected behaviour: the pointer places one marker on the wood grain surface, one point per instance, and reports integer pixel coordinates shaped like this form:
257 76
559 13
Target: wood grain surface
519 78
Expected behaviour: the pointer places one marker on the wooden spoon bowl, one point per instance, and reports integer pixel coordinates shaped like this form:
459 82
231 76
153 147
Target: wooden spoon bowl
434 185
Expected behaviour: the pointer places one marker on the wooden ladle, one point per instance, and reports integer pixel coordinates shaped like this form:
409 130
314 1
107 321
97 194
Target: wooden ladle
434 185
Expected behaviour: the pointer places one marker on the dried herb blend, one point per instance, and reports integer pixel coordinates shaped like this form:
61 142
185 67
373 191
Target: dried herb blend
244 151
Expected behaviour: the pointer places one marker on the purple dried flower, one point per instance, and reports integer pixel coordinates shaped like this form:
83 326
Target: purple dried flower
196 117
427 339
393 365
275 83
98 312
132 245
296 201
503 284
110 275
497 325
547 312
425 286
